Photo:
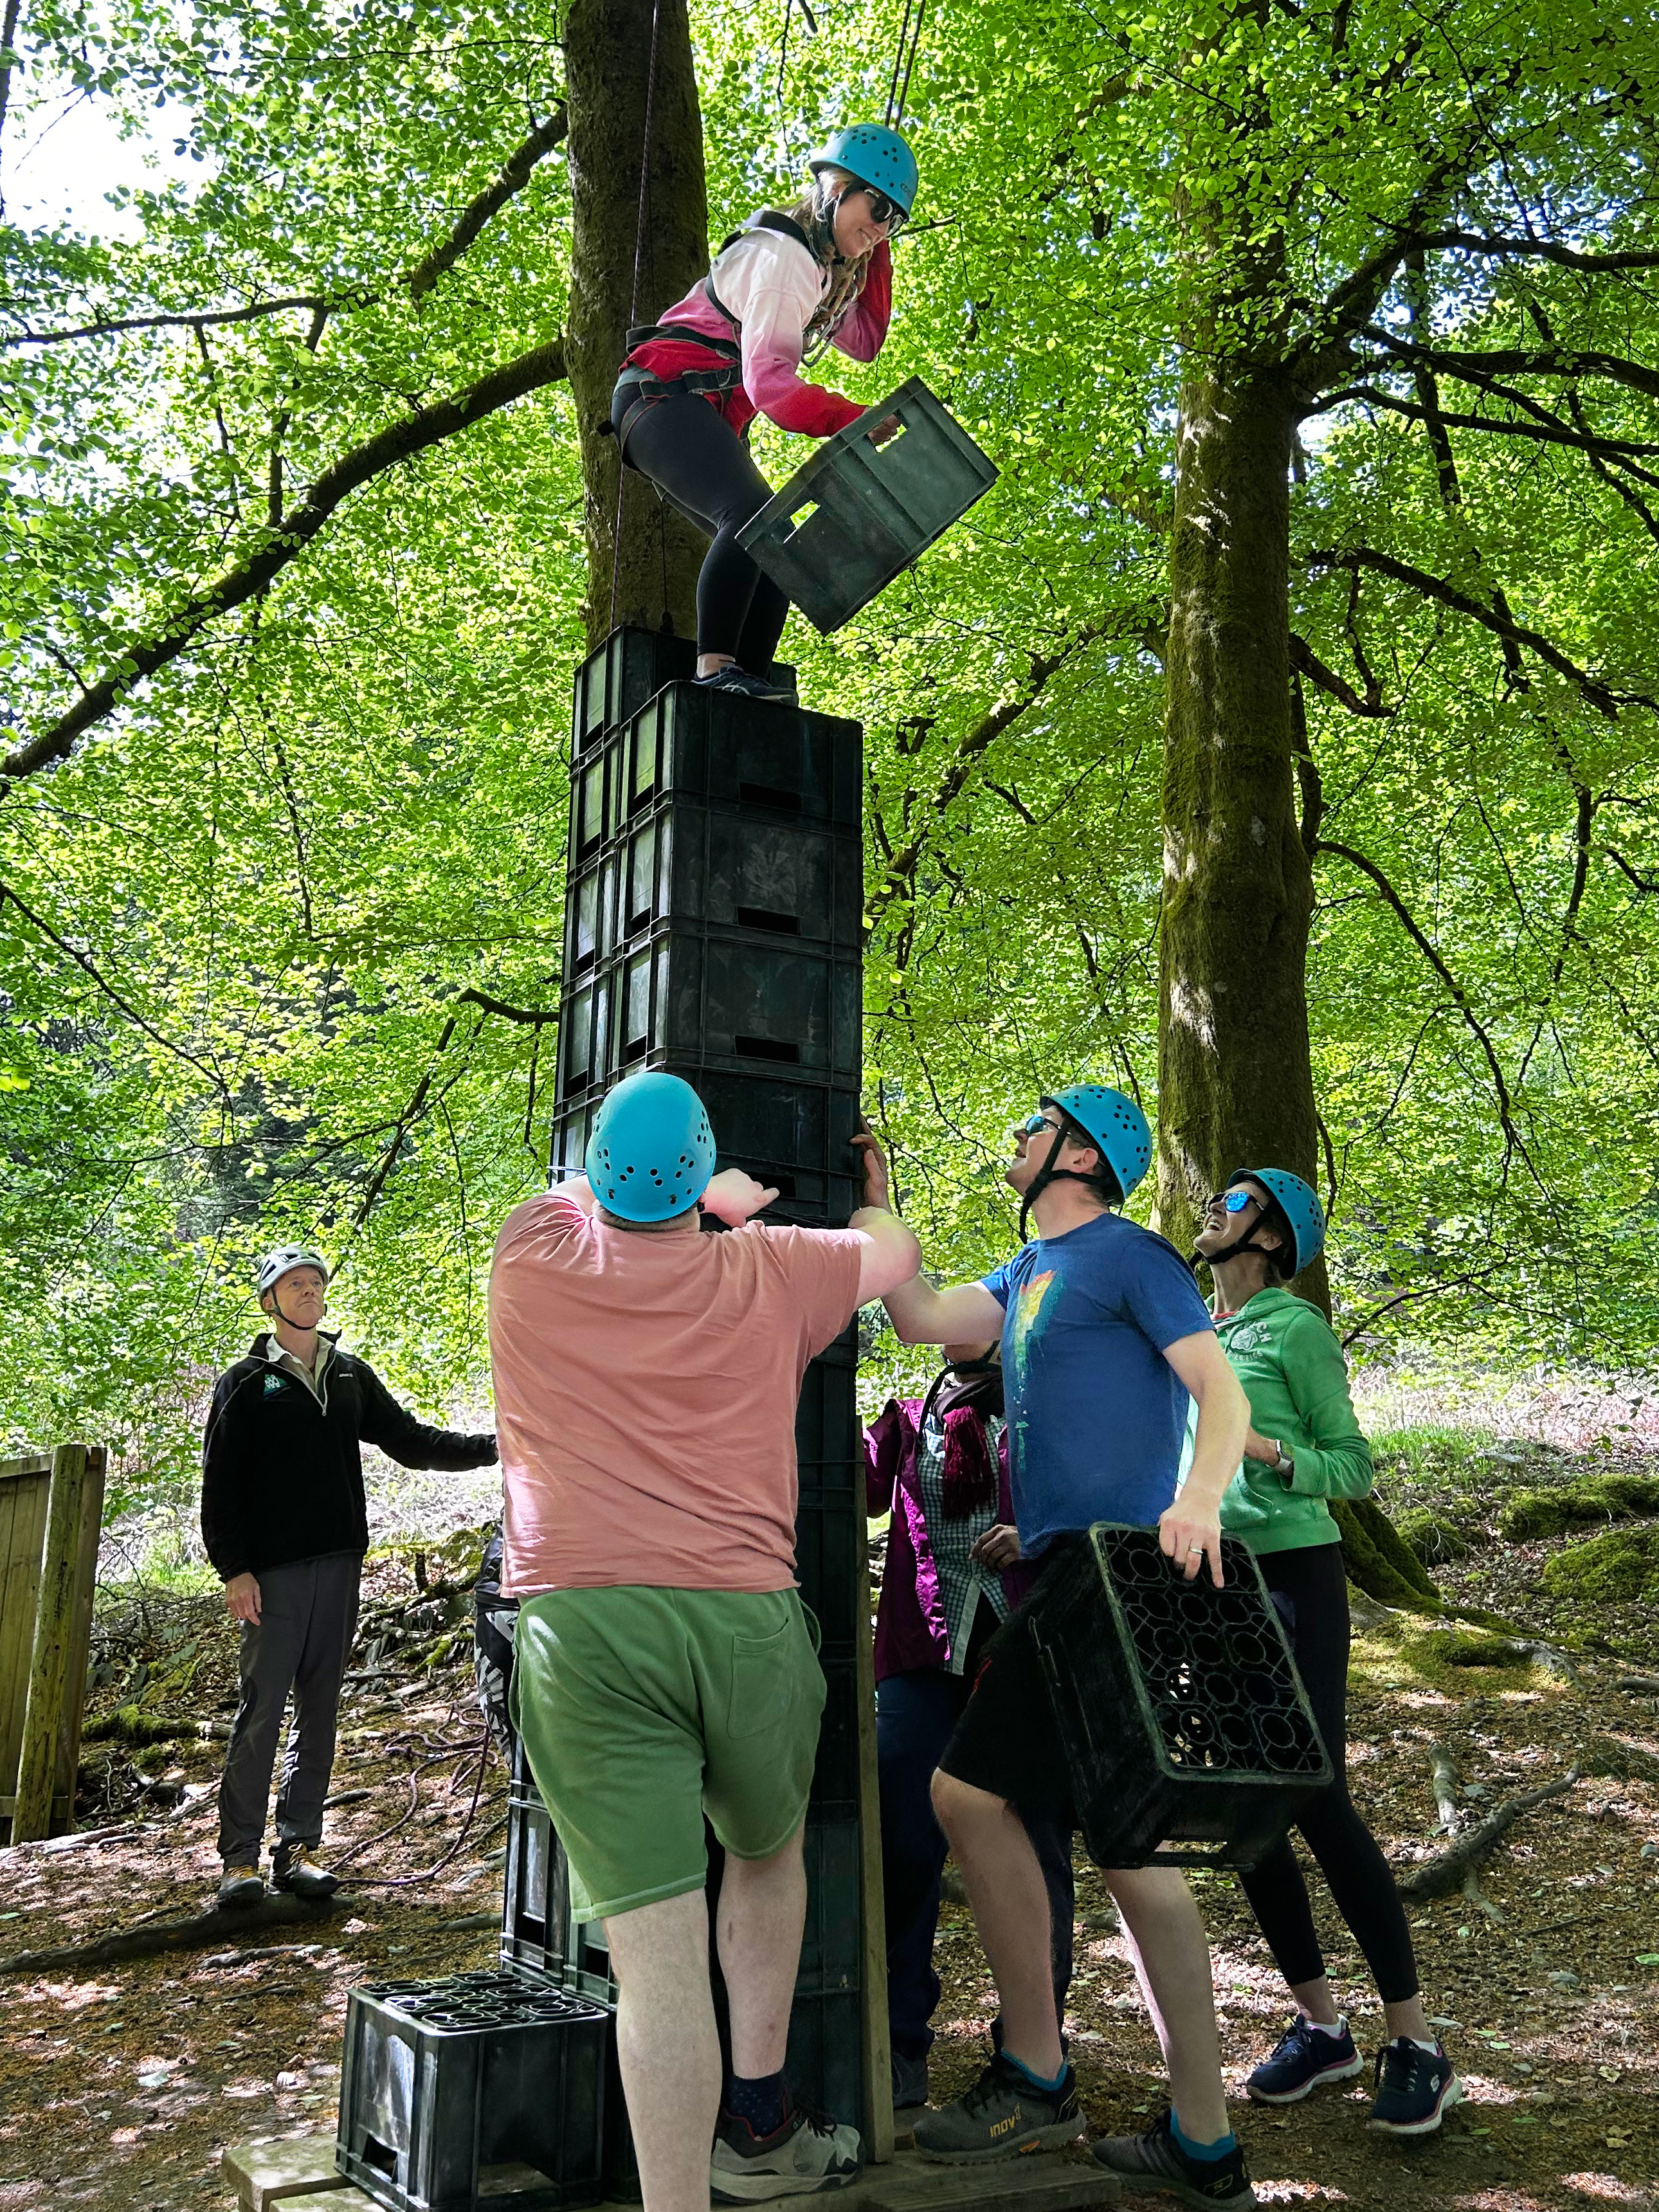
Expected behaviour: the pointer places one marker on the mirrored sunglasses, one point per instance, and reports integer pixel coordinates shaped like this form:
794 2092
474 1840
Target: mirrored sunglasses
1234 1201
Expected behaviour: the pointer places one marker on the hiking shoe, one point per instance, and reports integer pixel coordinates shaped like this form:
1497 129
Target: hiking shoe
301 1873
1155 2164
1002 2115
242 1885
909 2082
734 678
1414 2088
806 2153
1306 2057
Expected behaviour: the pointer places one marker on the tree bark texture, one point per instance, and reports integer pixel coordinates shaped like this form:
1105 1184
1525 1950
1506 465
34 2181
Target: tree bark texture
1235 1078
609 85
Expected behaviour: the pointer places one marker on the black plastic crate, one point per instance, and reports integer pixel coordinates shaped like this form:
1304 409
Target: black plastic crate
684 861
855 514
1182 1715
793 1135
536 1899
628 669
482 2086
688 992
724 750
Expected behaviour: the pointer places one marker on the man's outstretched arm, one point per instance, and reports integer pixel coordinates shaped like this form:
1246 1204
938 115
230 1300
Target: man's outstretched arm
920 1314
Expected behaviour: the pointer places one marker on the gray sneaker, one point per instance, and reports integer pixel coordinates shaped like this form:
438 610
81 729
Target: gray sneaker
242 1885
1002 2115
1154 2164
807 2153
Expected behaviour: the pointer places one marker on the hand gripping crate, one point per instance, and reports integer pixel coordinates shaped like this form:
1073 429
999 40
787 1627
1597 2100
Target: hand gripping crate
1183 1716
484 2088
856 513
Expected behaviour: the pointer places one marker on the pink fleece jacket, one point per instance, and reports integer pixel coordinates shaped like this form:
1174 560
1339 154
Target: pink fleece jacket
773 285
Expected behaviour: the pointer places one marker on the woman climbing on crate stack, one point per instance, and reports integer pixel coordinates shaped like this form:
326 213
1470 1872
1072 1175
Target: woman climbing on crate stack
781 288
1304 1446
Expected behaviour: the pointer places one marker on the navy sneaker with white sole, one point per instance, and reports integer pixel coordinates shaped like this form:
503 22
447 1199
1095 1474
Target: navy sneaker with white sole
1414 2087
1306 2056
734 678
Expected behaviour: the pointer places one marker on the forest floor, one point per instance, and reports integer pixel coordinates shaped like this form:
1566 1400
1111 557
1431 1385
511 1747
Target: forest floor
121 2085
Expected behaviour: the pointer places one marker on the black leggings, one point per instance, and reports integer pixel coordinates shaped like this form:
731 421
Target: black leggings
1313 1592
695 456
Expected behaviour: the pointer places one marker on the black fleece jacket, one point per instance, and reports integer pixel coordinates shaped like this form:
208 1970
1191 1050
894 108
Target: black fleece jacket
281 1475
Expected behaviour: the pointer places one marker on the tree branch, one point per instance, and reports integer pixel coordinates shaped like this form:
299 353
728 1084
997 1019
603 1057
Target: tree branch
470 998
110 992
1520 361
1647 885
1460 997
510 179
1599 695
1546 433
1306 662
1538 249
274 549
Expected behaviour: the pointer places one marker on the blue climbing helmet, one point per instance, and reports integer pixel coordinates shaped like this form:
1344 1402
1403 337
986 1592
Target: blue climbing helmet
652 1151
1113 1123
1298 1202
1116 1124
876 157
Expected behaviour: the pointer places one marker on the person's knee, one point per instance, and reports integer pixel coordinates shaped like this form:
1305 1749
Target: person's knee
961 1809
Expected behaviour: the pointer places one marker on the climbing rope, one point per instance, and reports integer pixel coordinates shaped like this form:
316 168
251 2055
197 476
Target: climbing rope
634 301
898 88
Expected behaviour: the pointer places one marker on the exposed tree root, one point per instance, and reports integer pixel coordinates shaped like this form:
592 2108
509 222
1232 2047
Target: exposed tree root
219 1925
1444 1875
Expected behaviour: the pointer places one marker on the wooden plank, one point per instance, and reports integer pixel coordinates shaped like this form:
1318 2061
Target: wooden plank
24 1503
80 1633
877 2048
54 1618
31 1463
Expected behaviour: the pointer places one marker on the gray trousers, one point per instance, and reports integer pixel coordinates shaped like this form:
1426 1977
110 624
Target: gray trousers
308 1619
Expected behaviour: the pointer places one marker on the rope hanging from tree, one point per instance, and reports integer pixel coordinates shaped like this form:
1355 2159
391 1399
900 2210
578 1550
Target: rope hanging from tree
634 299
898 87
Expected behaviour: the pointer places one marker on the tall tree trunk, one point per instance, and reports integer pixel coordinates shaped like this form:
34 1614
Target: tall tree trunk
1235 1079
608 87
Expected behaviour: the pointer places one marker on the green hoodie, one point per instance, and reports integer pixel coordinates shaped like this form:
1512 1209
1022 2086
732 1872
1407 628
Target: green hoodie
1283 1352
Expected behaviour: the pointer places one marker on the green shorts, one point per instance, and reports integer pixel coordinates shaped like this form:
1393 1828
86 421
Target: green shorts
642 1709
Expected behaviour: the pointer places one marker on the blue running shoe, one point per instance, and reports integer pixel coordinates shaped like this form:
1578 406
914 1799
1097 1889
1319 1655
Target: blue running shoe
1414 2088
1304 2058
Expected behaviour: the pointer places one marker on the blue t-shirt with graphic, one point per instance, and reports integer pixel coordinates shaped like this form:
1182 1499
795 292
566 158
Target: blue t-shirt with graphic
1096 1414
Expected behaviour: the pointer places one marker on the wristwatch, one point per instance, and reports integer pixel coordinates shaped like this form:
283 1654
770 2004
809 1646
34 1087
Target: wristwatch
1284 1467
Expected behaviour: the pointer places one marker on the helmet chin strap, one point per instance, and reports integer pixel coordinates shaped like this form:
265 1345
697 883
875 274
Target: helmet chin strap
331 1335
1245 1243
1046 1173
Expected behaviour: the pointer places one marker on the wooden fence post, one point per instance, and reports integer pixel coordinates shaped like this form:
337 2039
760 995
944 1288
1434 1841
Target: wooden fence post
36 1766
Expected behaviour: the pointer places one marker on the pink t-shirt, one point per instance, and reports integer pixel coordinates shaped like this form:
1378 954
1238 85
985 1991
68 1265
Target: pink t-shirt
645 1396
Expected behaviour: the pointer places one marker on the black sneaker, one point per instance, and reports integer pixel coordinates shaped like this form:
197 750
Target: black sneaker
1002 2115
734 678
909 2082
1156 2164
1306 2057
1414 2088
805 2155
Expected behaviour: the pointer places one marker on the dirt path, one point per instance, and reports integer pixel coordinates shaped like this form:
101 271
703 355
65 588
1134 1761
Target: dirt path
120 2087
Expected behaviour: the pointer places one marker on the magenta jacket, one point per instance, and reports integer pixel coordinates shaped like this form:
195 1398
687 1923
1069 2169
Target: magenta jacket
910 1619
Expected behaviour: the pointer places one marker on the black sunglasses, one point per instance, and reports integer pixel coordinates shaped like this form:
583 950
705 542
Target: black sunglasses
883 210
1033 1122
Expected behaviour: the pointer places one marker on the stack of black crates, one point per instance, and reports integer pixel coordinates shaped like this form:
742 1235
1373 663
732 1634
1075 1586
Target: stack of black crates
714 928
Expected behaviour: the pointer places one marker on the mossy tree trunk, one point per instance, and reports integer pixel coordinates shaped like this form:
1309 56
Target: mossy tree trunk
609 84
1234 1079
